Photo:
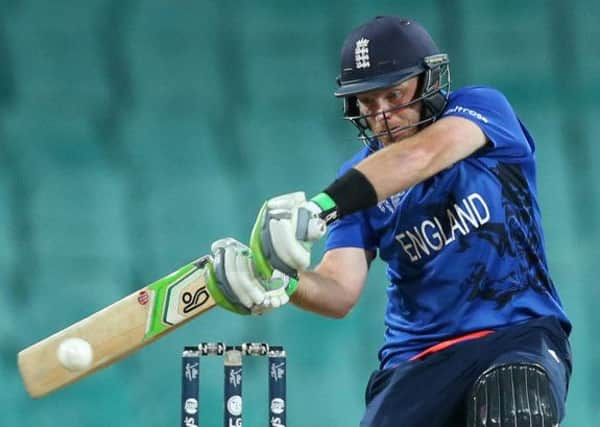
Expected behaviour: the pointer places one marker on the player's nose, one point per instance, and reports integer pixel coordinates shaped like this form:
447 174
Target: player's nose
382 115
381 110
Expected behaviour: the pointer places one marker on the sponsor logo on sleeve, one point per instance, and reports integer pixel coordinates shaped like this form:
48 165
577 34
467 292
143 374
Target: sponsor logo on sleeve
467 111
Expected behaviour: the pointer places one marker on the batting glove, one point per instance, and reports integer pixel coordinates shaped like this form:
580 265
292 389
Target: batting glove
235 285
283 235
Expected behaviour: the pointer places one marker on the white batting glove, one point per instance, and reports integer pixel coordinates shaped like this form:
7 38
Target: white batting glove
234 284
284 233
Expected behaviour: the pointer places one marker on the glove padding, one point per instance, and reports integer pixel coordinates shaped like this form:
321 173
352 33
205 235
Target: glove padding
234 284
284 232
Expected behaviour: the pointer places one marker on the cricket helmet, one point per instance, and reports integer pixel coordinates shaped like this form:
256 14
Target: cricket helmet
383 53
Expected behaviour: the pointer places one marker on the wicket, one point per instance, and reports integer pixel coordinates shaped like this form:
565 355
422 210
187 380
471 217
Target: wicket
232 374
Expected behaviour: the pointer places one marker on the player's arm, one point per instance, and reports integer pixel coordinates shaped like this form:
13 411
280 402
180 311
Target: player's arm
400 166
335 285
286 225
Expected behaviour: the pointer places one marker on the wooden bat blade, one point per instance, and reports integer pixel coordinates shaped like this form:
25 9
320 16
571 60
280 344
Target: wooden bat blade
119 329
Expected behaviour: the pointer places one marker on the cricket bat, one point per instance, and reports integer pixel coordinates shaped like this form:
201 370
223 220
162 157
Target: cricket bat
117 330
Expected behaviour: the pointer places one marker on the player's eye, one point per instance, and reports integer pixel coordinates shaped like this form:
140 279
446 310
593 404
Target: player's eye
394 96
365 105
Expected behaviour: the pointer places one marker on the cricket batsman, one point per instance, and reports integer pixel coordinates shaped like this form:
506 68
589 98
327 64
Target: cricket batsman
444 192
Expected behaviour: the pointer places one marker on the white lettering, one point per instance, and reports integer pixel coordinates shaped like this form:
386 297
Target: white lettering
454 223
430 237
406 246
486 217
465 110
417 242
463 215
435 235
439 226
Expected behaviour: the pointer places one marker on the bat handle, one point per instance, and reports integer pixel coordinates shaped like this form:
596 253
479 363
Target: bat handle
315 229
310 225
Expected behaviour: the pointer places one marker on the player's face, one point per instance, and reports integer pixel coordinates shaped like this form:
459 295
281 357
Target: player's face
384 115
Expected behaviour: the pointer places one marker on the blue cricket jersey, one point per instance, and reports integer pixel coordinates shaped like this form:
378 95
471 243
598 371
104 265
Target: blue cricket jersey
464 248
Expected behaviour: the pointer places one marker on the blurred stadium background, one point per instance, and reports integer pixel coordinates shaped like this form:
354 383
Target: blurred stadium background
133 133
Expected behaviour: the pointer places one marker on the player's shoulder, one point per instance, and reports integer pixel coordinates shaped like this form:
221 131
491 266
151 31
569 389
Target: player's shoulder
480 102
357 158
477 94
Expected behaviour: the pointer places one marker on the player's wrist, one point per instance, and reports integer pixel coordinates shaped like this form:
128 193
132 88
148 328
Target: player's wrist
291 287
349 193
325 205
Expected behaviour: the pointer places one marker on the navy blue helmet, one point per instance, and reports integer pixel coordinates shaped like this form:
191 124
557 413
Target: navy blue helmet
383 53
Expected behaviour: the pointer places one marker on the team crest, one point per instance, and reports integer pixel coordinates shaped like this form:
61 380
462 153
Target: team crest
361 53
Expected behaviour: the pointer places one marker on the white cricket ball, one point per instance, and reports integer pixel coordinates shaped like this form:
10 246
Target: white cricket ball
75 354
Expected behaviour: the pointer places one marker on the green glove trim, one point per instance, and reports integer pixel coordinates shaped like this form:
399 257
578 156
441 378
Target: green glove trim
291 287
262 265
263 268
324 201
216 293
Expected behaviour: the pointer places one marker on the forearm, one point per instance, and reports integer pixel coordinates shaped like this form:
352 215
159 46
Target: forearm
401 165
322 295
408 162
396 168
388 171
